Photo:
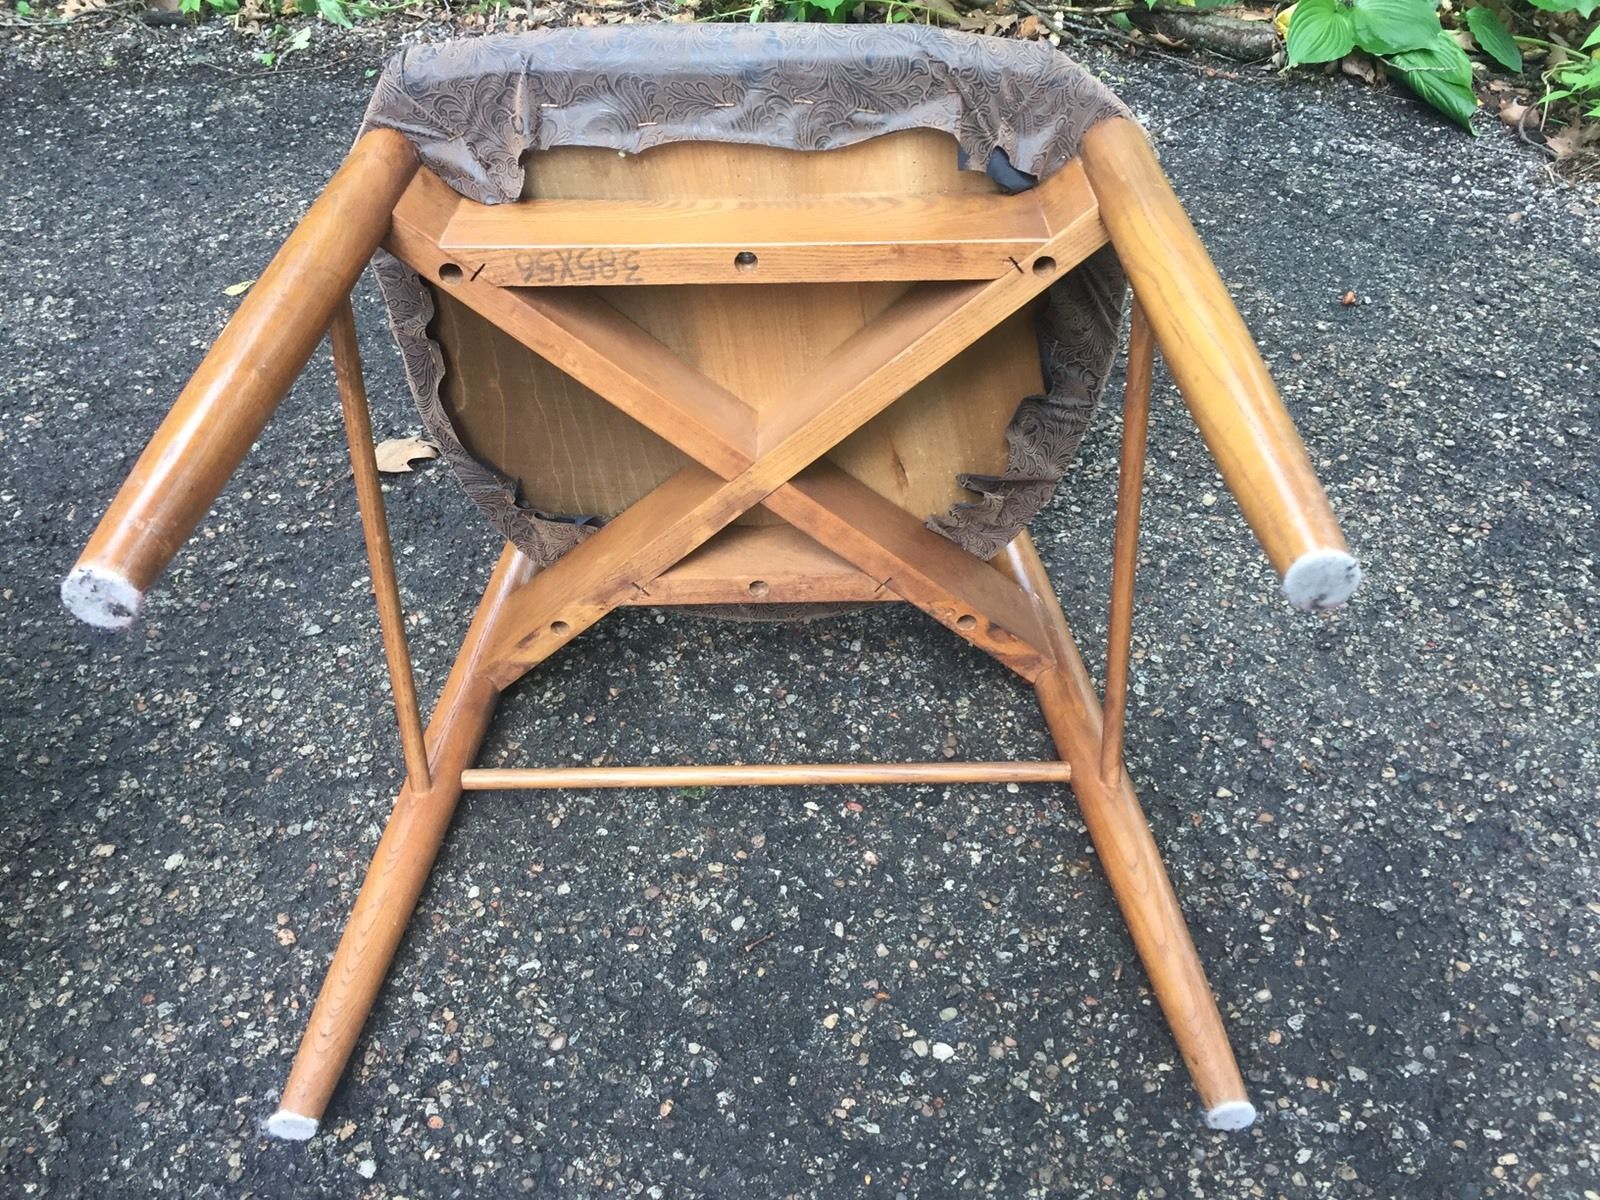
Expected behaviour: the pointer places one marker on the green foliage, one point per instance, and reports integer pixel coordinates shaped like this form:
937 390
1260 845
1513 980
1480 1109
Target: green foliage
1404 33
1493 38
837 12
199 8
335 12
1321 31
1577 78
1324 30
1441 74
1572 75
1394 26
24 9
1584 8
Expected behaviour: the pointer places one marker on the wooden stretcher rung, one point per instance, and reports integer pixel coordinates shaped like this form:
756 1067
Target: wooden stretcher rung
587 243
762 775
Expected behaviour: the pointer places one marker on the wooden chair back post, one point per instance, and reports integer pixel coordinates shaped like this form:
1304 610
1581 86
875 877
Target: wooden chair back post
239 385
1218 369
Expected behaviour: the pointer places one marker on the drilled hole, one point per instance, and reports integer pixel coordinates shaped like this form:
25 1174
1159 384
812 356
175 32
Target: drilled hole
966 621
1044 265
758 587
450 272
560 628
744 261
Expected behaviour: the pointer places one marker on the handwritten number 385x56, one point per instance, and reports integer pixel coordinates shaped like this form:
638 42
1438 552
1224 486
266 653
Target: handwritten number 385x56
578 266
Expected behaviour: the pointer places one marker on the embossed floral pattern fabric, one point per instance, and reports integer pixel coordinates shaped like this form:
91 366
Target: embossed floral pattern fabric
475 108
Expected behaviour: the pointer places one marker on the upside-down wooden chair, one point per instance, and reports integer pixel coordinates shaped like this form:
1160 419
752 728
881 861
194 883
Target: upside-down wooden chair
753 358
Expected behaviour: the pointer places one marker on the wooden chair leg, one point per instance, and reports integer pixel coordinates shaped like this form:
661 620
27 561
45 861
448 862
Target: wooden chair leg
399 869
1132 863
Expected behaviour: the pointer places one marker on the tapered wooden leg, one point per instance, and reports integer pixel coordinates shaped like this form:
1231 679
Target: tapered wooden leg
1132 863
399 869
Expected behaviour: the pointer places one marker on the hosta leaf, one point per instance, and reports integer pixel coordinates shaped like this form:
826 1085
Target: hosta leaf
1393 26
1493 38
1320 31
1584 8
333 12
1454 100
1442 75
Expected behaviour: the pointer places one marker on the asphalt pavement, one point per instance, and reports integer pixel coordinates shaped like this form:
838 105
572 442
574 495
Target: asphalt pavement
1382 822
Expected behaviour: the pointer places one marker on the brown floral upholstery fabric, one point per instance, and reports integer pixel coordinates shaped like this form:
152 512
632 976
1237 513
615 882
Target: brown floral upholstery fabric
474 108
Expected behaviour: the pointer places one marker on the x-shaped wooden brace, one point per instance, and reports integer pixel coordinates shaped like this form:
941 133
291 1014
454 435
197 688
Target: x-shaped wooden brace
740 462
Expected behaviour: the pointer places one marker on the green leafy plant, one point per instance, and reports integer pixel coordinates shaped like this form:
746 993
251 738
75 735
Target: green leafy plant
1577 78
1574 74
837 12
335 12
1405 34
1493 38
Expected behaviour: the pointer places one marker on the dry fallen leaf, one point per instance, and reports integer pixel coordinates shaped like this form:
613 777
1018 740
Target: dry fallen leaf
237 289
396 455
1574 139
1358 66
989 22
1031 29
1513 112
1347 299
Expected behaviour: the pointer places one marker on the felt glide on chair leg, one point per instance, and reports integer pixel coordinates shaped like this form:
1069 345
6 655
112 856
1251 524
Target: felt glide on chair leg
234 392
1132 862
399 870
395 879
